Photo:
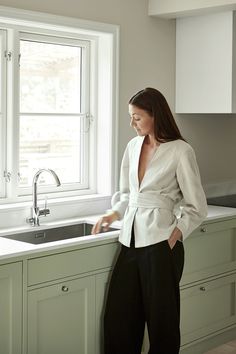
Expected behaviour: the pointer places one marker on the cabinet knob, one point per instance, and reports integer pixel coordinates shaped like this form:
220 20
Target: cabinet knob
203 229
65 288
202 288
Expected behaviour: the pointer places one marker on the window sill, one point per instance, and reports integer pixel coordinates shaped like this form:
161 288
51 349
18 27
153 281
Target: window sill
15 214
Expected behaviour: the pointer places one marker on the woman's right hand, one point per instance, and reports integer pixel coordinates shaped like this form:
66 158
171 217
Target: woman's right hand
104 222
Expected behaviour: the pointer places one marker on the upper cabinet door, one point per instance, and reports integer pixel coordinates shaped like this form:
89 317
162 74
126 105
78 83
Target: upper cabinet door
205 64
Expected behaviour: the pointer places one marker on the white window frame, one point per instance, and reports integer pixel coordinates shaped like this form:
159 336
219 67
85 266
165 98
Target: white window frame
3 173
104 105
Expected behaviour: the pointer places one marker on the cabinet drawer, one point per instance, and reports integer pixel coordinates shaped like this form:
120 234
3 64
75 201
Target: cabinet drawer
65 264
210 250
215 226
207 308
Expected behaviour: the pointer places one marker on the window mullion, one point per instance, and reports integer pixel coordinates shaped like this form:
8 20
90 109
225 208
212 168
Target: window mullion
3 49
13 46
85 107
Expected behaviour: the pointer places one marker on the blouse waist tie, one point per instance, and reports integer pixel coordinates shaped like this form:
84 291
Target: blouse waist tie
150 200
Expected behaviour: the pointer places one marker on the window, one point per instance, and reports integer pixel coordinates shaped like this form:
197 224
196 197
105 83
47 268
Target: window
53 127
58 107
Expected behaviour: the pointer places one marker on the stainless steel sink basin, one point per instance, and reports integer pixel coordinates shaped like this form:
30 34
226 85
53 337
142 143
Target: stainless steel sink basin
56 234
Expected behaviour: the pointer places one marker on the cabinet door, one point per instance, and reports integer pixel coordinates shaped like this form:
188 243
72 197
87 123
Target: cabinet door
207 308
102 281
10 308
204 65
61 318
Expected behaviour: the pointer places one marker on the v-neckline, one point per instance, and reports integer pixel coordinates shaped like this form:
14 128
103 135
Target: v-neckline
148 165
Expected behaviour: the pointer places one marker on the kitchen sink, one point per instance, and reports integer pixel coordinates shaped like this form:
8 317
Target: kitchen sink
55 234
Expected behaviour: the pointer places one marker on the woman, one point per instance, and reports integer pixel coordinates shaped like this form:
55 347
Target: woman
158 171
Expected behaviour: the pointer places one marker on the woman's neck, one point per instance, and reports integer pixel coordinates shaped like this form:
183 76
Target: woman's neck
151 140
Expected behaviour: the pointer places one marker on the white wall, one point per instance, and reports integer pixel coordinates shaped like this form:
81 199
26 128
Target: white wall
147 58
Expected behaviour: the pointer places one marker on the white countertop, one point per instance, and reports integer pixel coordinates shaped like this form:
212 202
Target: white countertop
218 212
11 248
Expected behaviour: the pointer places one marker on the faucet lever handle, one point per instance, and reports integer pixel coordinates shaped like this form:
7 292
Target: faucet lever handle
45 211
46 202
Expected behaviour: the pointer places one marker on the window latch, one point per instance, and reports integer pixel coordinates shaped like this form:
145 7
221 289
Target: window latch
8 55
7 176
88 119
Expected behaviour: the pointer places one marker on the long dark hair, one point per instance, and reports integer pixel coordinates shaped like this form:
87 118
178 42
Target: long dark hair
154 103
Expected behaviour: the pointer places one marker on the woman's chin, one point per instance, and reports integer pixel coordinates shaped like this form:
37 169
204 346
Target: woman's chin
139 133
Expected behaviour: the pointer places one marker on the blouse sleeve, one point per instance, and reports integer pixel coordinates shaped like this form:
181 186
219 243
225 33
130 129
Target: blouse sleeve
194 205
121 205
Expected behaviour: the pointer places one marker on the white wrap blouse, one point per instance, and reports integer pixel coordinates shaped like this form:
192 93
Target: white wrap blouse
171 186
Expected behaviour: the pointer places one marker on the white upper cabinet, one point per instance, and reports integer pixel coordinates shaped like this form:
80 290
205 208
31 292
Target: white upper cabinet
173 9
206 64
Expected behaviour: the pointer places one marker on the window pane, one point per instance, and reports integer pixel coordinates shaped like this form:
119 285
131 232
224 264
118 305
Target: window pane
50 142
50 77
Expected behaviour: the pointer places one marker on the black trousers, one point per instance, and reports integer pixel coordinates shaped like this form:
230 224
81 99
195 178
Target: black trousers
144 287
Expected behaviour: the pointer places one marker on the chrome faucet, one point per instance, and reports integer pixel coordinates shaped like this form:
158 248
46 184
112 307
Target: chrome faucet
36 212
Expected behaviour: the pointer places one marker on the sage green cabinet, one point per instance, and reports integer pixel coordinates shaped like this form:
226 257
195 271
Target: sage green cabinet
208 286
208 307
66 296
61 318
11 308
102 281
210 251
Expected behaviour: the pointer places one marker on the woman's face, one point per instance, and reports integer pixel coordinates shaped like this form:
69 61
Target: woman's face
141 121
